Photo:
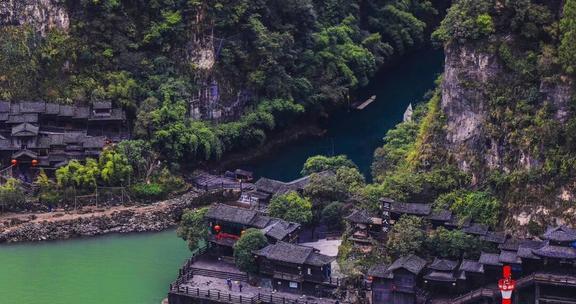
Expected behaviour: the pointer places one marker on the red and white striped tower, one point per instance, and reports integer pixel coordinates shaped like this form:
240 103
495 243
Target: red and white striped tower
506 285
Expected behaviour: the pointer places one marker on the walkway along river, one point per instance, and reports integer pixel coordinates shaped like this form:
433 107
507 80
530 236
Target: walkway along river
137 268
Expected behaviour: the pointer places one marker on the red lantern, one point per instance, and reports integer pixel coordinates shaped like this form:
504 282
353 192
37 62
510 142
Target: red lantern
14 162
217 228
34 162
506 285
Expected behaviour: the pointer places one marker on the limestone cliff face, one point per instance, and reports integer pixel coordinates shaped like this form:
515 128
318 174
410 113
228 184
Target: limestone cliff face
468 72
42 15
464 107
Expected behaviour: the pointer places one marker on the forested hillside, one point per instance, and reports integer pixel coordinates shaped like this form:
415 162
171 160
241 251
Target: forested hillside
177 65
496 141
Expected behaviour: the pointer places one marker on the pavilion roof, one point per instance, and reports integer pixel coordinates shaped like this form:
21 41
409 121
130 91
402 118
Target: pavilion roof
509 257
440 215
412 263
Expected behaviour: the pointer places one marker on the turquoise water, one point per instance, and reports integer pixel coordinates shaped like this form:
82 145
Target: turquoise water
358 133
115 269
137 268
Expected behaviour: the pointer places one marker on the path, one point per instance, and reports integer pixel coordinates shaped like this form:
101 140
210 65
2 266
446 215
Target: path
85 212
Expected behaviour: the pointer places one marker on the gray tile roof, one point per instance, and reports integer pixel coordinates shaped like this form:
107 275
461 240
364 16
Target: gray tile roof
560 234
471 266
286 252
231 214
440 215
509 257
443 265
261 221
411 208
412 263
494 237
558 252
33 107
492 259
4 106
102 105
278 187
380 271
318 259
25 129
21 118
440 276
52 108
93 142
359 216
67 111
279 229
476 229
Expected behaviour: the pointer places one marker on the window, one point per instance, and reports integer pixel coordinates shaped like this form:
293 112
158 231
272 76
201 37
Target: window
309 271
293 285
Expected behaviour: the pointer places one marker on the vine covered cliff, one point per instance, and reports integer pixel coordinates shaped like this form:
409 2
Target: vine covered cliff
503 115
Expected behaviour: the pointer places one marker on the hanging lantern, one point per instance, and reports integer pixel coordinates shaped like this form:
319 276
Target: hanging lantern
14 162
217 228
34 162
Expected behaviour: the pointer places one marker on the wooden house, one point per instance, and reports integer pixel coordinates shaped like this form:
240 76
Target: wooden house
364 229
396 283
228 222
295 268
441 276
47 135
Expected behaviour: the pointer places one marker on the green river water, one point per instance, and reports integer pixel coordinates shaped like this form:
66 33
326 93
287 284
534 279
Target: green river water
137 268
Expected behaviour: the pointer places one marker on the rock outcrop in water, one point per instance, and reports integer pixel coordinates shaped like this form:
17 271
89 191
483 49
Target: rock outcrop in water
42 15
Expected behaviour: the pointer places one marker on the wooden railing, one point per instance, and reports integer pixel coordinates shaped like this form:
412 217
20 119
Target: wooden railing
224 297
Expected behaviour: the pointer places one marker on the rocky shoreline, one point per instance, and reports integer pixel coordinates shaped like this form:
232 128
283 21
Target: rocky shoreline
146 218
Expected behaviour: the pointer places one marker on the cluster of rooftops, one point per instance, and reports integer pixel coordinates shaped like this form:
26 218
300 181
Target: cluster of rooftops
281 235
557 243
52 134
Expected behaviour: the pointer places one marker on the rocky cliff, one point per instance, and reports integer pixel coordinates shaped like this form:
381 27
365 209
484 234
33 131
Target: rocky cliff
42 15
507 106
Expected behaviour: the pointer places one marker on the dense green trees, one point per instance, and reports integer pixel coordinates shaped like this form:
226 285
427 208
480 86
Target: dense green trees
319 163
567 51
466 20
295 56
193 228
480 206
252 239
291 207
406 237
11 194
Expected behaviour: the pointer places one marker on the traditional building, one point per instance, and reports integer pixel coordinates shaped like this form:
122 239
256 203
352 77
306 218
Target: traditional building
364 229
441 276
397 283
266 188
291 267
227 224
543 268
49 135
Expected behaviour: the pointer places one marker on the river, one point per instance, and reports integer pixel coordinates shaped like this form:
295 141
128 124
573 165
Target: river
137 268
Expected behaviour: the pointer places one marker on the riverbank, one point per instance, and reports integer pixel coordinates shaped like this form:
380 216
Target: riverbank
92 221
290 135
